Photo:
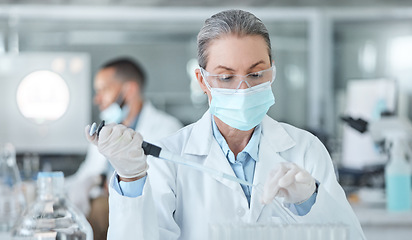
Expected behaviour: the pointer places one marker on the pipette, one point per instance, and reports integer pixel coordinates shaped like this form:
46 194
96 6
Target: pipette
94 129
158 152
155 151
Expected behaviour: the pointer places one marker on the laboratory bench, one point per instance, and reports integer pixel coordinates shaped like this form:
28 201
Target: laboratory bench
376 221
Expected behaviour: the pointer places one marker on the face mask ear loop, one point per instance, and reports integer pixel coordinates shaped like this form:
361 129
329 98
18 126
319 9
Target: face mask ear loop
121 100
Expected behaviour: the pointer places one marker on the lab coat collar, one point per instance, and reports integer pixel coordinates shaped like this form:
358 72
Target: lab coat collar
276 135
202 142
252 147
145 113
201 136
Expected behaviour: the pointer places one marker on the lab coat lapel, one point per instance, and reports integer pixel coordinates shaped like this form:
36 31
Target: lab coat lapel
274 140
217 160
201 142
145 123
201 137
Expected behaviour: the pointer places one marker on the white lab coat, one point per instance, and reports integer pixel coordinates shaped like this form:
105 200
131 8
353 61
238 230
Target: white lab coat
153 124
180 203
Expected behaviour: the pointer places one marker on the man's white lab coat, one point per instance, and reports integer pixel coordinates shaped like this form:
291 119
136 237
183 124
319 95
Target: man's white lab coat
179 202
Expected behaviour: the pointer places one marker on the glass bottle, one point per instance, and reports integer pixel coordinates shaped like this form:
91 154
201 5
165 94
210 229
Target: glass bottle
12 200
52 216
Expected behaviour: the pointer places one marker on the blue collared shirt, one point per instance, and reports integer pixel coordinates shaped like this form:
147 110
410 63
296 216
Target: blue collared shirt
244 163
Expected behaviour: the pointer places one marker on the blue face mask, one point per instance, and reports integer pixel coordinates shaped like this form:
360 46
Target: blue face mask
242 109
114 113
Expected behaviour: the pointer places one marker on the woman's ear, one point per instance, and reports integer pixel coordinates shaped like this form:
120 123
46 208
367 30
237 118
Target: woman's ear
200 80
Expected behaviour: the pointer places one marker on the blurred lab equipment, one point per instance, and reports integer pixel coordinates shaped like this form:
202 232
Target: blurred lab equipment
12 200
366 99
384 130
398 176
52 216
394 135
45 100
30 169
31 166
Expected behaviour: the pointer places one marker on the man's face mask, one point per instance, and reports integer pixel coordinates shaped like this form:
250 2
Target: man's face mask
116 112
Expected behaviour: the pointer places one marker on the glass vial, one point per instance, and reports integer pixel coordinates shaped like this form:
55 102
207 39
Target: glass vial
52 216
12 202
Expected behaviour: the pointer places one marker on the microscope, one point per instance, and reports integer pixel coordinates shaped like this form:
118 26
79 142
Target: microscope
394 135
385 130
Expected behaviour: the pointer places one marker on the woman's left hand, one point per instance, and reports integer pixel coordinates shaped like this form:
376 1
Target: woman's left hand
289 181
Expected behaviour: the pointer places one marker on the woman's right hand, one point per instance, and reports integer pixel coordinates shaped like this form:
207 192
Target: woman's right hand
122 146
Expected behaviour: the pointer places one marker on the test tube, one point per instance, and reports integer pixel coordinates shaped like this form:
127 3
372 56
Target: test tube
284 214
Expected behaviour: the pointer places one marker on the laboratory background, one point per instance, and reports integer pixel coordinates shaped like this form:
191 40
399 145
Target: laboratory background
344 73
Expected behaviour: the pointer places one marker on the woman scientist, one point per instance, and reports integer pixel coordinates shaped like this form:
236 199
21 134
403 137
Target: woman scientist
169 201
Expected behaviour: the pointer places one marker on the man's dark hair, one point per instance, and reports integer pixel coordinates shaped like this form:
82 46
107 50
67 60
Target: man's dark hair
127 70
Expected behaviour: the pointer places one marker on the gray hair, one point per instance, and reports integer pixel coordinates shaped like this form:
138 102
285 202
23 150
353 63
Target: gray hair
236 22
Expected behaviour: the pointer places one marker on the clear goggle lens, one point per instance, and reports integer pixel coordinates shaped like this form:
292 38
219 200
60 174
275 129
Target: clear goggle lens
233 81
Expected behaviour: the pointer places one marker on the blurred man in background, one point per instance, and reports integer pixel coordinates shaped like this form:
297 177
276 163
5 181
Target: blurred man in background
118 89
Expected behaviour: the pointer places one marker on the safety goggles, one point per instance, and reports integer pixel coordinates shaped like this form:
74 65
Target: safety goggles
233 81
